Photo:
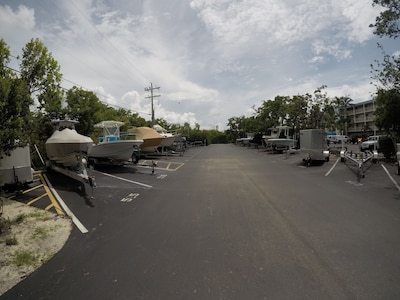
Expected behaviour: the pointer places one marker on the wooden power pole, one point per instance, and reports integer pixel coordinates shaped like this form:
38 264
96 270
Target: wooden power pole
152 96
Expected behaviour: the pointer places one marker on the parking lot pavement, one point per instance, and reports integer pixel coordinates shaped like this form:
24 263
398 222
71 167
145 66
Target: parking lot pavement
231 222
382 173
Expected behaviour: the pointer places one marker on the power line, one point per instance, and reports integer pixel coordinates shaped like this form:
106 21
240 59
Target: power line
108 41
82 87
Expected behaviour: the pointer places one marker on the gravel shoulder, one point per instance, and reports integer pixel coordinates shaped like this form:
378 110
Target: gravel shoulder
31 237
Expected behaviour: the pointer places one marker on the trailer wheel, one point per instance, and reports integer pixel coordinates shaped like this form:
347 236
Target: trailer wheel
308 161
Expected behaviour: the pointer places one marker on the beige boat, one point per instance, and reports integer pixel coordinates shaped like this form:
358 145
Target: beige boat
151 139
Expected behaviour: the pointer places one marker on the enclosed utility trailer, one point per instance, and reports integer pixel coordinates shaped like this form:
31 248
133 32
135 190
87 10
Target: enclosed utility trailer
313 144
15 167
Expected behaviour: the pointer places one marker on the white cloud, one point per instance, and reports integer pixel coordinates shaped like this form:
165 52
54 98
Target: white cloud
21 20
213 59
335 50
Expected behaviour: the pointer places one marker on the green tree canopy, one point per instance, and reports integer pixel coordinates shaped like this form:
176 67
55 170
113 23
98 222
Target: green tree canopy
387 72
387 23
15 115
41 73
5 71
85 107
387 111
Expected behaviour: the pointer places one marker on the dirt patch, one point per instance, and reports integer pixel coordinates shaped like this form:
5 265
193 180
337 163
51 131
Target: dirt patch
30 237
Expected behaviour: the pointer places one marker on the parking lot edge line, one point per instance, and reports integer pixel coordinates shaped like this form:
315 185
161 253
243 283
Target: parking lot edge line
75 220
391 178
127 180
331 169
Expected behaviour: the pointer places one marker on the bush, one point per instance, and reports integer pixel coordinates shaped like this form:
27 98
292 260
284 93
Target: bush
387 147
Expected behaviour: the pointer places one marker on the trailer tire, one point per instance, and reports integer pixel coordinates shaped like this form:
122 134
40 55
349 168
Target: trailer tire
308 162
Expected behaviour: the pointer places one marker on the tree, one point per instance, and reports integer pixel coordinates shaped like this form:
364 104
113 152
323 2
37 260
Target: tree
85 107
5 71
388 72
235 127
297 111
272 113
387 111
387 23
316 109
340 105
15 115
41 73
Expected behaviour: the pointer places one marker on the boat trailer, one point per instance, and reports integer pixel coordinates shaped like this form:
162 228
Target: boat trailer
79 173
359 159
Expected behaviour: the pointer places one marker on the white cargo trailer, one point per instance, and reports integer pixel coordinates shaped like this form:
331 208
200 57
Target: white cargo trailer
15 167
313 144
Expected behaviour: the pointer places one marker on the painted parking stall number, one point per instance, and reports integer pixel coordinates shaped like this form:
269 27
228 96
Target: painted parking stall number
162 176
130 197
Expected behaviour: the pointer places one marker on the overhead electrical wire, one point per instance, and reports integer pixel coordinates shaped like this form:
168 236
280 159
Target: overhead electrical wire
111 44
96 93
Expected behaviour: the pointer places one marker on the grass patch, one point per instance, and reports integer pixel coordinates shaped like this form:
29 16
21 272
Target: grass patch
11 241
40 233
19 219
25 258
40 214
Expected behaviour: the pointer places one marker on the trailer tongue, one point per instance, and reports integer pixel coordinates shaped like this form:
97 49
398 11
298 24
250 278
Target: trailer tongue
359 160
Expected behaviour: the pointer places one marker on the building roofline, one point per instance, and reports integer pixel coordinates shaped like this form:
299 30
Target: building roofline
362 102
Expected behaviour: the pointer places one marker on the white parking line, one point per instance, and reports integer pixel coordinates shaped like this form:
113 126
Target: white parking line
331 169
127 180
75 220
391 178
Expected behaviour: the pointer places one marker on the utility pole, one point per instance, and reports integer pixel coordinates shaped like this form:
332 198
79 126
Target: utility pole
152 96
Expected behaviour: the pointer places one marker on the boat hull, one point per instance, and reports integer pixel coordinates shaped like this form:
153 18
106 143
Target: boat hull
120 151
167 141
280 144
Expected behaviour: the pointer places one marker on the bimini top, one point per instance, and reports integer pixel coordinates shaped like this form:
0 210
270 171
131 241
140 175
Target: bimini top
107 124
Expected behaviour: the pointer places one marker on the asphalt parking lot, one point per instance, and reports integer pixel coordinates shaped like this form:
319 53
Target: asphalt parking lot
227 222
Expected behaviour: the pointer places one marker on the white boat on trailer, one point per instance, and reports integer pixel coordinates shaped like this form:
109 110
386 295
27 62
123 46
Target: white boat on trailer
169 138
114 147
67 153
280 144
280 138
65 143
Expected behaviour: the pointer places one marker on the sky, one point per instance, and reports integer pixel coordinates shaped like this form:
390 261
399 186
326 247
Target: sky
211 59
